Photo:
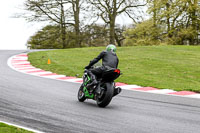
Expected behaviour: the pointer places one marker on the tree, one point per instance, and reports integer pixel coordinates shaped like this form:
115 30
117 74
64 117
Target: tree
108 10
176 15
143 34
51 10
95 35
193 11
74 13
119 36
165 12
47 38
61 12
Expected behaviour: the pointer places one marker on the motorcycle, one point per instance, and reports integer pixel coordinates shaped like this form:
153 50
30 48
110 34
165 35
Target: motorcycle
103 91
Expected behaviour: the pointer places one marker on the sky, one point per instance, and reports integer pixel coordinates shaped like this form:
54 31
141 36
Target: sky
14 32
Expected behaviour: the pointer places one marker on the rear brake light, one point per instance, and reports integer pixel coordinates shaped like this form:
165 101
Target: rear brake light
117 71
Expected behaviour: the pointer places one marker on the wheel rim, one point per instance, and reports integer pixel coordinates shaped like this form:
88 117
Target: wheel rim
81 94
102 94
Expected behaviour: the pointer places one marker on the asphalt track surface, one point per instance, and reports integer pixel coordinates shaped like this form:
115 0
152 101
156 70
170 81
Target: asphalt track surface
51 106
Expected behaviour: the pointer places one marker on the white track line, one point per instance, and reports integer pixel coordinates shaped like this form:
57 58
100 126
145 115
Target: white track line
73 80
193 96
53 76
129 87
38 73
162 91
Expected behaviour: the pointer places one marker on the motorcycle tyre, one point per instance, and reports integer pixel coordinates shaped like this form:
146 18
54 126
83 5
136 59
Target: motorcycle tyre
108 94
81 97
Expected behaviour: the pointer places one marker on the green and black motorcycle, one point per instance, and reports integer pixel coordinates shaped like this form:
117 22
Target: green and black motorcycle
104 91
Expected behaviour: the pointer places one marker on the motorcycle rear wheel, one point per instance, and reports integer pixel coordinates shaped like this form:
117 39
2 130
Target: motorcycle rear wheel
106 96
81 94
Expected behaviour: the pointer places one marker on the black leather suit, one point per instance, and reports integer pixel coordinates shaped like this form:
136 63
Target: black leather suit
109 60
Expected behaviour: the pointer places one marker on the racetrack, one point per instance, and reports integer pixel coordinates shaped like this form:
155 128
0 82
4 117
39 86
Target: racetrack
51 106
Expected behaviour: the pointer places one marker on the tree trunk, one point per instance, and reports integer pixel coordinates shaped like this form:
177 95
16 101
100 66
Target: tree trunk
154 13
168 21
63 26
194 20
63 36
112 16
117 40
112 31
76 10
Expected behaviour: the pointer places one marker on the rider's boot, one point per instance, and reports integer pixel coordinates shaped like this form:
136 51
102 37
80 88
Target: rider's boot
94 81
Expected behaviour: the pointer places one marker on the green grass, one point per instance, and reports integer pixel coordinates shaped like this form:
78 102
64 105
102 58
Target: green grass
171 67
4 128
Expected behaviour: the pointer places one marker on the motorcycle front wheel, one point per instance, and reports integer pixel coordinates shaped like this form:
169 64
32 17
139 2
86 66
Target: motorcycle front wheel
106 95
81 94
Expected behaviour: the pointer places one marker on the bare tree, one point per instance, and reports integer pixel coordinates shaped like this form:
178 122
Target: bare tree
61 12
74 13
108 10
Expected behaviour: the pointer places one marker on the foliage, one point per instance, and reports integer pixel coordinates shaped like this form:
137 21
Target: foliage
184 36
172 67
49 37
67 12
180 17
61 12
95 35
144 33
171 22
108 10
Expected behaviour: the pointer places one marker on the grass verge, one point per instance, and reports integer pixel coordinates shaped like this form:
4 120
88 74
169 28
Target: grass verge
171 67
4 128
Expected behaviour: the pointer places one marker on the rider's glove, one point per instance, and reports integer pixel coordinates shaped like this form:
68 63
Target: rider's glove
87 67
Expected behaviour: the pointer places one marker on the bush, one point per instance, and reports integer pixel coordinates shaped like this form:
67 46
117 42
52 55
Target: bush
183 36
144 33
47 37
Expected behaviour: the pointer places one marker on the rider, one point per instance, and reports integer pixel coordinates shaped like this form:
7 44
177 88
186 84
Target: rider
109 60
